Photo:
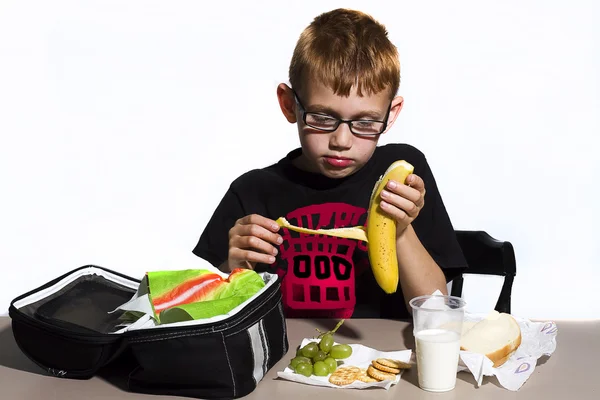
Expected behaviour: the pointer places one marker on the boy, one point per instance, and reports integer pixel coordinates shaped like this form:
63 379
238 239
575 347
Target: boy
344 76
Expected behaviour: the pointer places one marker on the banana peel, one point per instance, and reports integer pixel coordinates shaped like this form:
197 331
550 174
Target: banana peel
355 232
380 232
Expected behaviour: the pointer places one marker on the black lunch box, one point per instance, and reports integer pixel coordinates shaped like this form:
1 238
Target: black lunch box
68 328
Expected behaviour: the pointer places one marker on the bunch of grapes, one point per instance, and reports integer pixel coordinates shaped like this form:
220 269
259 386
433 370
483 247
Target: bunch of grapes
320 358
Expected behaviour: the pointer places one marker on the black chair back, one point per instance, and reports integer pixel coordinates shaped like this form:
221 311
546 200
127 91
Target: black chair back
488 256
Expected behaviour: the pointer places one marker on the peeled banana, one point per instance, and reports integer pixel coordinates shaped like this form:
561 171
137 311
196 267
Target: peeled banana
381 230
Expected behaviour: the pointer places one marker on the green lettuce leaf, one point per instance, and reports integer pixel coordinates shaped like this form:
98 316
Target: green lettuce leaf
241 286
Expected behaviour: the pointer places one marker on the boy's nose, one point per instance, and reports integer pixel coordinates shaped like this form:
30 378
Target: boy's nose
341 138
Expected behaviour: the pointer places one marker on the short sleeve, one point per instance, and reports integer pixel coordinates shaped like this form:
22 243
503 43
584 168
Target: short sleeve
213 245
435 230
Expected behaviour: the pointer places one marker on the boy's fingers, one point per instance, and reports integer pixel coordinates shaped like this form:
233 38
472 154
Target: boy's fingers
255 219
252 243
413 194
258 232
393 211
408 206
421 202
251 256
416 182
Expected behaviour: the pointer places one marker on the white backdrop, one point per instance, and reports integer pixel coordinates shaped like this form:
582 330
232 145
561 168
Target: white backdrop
123 123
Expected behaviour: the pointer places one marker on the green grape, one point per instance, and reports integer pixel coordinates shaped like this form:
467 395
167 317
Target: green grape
297 360
299 351
326 342
304 369
320 356
331 364
320 369
310 350
340 351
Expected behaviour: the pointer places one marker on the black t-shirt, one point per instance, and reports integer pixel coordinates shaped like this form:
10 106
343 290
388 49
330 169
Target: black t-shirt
327 276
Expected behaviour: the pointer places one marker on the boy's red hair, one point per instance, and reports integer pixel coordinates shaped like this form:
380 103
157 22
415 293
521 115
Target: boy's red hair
345 48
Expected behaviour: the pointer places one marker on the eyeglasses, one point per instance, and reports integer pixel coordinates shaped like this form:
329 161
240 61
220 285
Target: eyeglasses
359 127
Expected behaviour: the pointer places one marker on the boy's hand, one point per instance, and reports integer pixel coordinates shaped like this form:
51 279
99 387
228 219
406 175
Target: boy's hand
251 241
403 202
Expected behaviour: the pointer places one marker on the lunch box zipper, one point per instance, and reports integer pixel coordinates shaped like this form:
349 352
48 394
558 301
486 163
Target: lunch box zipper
59 331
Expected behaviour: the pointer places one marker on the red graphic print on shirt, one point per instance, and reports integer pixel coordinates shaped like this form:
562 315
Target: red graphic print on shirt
319 270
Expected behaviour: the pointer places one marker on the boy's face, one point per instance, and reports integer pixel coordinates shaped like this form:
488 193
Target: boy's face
338 153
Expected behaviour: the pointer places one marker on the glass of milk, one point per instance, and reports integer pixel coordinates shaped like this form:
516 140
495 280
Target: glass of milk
437 323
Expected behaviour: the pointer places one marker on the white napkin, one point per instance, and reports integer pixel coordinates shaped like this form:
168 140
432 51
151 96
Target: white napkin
361 357
537 339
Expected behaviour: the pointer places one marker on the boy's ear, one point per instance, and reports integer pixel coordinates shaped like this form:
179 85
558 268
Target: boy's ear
287 102
396 107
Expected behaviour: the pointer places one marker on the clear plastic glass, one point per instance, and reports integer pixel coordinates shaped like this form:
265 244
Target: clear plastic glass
437 329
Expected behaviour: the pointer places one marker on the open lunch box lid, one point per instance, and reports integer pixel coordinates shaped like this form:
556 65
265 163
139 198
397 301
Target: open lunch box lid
72 326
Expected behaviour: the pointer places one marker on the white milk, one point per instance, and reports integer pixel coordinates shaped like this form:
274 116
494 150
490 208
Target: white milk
437 359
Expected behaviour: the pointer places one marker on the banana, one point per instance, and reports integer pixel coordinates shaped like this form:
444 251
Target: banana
381 230
380 233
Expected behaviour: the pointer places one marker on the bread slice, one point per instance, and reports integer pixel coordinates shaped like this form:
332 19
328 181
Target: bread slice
466 326
497 337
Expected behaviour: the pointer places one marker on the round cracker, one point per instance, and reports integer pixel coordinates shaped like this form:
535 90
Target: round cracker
379 375
349 368
364 377
385 368
388 362
344 375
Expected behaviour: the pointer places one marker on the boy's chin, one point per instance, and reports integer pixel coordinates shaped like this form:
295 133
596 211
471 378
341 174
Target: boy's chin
337 173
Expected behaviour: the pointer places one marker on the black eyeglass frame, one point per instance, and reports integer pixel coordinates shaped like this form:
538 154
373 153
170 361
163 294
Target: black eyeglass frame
343 121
